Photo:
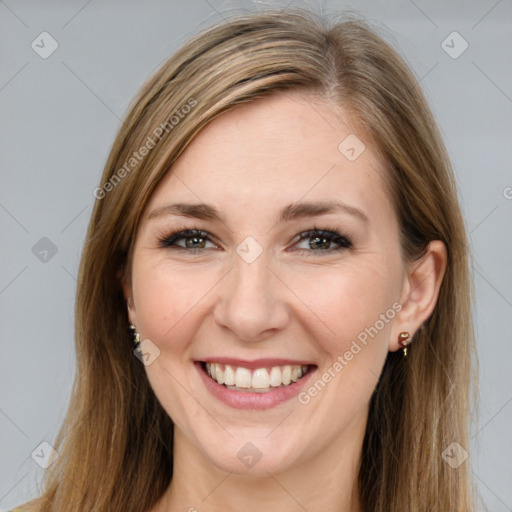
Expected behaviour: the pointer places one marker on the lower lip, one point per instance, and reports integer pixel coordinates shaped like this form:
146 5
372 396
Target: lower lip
247 400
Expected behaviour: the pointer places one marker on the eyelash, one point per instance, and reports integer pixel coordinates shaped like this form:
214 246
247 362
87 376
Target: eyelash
344 241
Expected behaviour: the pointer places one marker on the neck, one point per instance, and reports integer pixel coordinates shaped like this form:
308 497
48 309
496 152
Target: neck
326 482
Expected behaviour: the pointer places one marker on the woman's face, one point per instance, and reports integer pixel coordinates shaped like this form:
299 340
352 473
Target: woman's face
257 303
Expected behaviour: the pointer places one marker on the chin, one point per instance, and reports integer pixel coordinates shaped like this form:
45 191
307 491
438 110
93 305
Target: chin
252 463
255 455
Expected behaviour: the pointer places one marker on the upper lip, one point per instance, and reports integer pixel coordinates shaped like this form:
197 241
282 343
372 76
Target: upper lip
257 363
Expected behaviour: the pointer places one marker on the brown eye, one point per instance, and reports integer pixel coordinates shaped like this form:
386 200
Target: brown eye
322 241
193 239
318 241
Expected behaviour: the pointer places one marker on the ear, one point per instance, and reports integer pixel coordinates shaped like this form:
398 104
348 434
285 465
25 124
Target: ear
420 292
128 295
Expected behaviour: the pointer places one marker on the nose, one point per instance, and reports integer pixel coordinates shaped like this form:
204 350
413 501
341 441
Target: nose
252 301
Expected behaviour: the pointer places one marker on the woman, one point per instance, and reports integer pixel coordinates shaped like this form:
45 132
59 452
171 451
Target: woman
277 233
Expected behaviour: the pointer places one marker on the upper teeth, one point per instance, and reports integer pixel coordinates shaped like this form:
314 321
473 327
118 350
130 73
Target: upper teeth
260 378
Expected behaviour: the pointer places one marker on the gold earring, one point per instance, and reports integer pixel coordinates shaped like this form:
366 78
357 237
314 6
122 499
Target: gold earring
404 338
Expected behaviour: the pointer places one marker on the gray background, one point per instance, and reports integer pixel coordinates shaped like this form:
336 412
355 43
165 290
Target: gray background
58 119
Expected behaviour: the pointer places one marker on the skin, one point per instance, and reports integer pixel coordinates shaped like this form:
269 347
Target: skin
294 301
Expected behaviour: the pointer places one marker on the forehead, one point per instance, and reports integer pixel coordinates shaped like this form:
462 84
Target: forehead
276 151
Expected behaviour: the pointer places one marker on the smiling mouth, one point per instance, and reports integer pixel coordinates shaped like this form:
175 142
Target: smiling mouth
258 380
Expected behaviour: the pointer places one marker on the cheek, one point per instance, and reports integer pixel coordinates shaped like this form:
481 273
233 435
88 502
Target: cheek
354 306
166 298
349 302
167 302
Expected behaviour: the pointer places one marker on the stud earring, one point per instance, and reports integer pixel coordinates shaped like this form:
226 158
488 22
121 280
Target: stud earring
404 338
135 338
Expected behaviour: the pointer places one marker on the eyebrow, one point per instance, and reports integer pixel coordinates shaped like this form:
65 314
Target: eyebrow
289 213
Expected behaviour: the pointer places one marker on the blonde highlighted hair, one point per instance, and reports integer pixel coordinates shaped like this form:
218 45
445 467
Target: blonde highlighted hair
115 446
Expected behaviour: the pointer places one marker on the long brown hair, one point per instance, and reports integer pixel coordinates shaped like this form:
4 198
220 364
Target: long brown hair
115 446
